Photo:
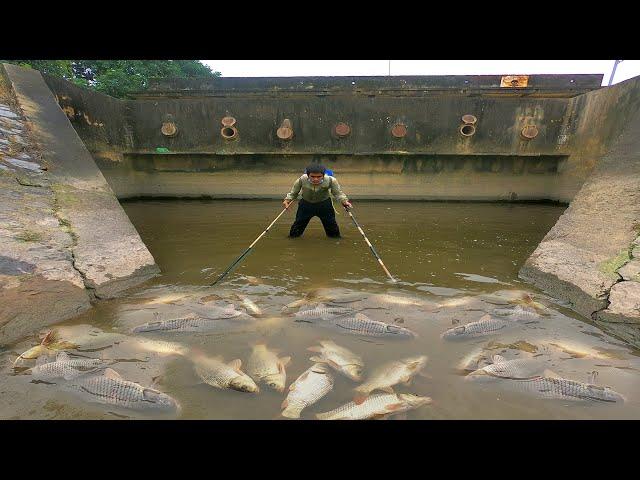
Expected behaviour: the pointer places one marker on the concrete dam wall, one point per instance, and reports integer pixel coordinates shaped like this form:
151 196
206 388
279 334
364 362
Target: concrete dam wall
481 138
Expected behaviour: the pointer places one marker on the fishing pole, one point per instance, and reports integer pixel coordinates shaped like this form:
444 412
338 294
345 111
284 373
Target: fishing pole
244 254
373 250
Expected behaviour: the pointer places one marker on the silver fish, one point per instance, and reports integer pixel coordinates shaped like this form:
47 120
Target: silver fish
65 367
251 306
518 312
111 389
194 323
339 358
308 388
322 312
216 373
390 374
265 366
376 406
502 368
487 325
520 375
565 389
360 324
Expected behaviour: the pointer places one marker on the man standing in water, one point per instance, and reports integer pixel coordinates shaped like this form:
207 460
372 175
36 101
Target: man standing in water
315 186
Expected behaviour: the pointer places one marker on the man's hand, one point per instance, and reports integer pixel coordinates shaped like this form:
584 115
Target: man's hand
347 205
286 203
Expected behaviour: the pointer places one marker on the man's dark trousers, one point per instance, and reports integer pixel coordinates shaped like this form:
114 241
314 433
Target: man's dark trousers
323 210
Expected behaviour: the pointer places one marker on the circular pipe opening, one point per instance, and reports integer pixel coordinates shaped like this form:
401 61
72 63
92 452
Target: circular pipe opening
228 121
529 132
399 130
469 119
229 133
169 129
342 129
467 130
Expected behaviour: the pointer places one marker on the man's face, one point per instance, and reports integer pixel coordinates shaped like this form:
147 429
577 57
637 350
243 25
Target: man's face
316 178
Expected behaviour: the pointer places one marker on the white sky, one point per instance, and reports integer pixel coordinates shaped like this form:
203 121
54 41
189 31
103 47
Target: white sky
303 68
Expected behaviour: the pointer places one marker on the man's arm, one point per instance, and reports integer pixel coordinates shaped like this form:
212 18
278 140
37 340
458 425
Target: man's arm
293 194
337 192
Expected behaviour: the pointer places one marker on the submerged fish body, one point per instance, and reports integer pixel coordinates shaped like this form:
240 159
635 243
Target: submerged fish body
518 312
265 366
392 373
194 323
500 368
214 372
161 347
360 324
65 367
565 389
111 389
322 312
376 406
351 322
521 375
339 358
308 388
251 306
487 325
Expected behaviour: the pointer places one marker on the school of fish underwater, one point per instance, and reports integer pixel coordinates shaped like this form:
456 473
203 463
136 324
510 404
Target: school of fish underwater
254 347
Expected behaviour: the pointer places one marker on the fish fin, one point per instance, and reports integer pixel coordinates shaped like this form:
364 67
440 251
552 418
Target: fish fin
50 338
315 349
359 399
393 407
550 374
498 359
379 416
361 316
235 364
285 403
486 316
302 377
315 358
408 381
62 357
389 389
110 373
591 377
284 361
327 343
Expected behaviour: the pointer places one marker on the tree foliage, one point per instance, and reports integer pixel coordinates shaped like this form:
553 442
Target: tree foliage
118 78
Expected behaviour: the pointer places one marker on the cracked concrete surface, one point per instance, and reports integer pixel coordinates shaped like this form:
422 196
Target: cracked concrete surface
65 238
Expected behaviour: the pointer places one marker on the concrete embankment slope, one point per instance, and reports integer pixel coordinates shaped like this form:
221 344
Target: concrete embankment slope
65 238
591 257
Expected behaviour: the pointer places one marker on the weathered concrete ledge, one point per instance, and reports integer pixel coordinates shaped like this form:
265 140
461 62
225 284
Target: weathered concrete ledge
65 238
589 257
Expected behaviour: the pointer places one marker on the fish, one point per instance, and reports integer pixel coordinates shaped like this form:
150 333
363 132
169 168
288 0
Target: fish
65 367
168 299
49 344
265 366
110 388
390 374
193 322
358 324
161 347
338 358
502 368
402 301
375 407
251 306
322 311
518 312
308 388
487 325
521 376
214 372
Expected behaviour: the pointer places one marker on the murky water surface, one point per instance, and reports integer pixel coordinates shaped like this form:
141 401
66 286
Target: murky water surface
455 263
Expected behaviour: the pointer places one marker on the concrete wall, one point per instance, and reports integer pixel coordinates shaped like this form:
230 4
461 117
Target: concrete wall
433 160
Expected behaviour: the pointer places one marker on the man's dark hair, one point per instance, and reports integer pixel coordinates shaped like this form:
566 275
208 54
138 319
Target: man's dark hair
315 168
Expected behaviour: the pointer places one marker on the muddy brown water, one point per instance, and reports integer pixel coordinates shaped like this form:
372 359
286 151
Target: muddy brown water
454 261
